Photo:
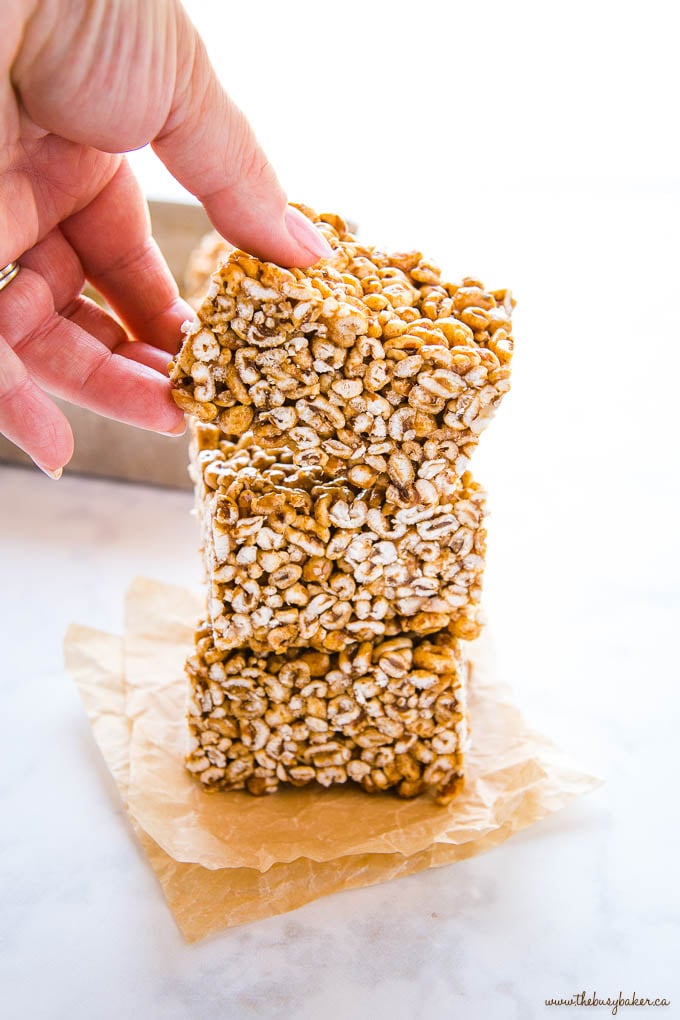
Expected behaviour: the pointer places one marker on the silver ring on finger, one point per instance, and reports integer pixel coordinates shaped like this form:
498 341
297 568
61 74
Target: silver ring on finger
8 273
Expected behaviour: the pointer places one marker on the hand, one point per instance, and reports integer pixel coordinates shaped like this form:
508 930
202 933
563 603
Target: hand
80 83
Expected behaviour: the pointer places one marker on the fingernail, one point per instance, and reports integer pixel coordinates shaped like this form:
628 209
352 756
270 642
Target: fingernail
179 431
306 235
52 474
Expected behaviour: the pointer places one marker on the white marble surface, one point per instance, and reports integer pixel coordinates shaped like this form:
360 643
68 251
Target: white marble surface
583 595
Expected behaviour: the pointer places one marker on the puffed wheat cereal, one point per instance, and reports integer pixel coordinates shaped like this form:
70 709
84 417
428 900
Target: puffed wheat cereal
383 714
366 358
295 559
335 410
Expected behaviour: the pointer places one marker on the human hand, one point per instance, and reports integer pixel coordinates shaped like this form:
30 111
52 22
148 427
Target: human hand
80 83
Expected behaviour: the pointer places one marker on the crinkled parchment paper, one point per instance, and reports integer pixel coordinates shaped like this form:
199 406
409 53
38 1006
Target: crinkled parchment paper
224 859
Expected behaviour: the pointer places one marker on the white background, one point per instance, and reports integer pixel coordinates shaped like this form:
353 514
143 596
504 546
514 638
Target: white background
416 118
537 146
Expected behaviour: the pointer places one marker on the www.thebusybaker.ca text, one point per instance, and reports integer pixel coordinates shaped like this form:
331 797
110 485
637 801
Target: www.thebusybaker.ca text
583 999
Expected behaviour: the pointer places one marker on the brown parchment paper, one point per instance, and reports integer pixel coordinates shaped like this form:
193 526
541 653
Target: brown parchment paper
224 859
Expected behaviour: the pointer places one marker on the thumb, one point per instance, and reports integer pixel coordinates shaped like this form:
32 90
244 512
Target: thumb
209 147
80 72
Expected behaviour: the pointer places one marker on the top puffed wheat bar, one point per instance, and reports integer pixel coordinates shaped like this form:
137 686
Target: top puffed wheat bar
364 360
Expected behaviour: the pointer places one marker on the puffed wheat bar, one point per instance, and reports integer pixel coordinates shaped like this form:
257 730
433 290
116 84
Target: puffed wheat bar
389 714
366 359
294 559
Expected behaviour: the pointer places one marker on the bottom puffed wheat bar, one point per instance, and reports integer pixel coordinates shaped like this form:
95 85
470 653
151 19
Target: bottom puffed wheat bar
383 714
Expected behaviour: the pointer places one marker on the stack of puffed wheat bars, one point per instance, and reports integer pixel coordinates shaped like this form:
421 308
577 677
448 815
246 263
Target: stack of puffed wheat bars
335 412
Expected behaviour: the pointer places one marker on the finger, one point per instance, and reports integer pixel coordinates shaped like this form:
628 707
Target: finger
112 239
29 418
152 50
94 320
197 131
35 196
208 145
55 262
77 366
73 365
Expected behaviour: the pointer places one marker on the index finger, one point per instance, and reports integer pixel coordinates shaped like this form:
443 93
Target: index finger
112 237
